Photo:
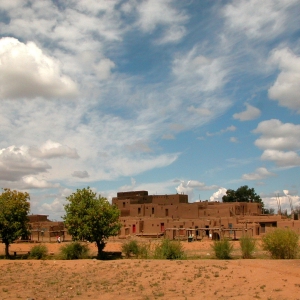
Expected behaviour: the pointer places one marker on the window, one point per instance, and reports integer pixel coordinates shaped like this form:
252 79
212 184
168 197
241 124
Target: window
167 212
152 210
139 210
124 204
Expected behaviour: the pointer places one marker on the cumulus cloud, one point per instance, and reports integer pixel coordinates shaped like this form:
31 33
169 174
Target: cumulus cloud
52 149
217 196
281 158
34 183
283 199
54 204
16 162
276 138
250 113
260 173
188 187
277 135
286 89
81 174
26 72
55 207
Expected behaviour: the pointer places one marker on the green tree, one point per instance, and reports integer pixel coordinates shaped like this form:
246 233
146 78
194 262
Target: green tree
14 222
242 194
91 217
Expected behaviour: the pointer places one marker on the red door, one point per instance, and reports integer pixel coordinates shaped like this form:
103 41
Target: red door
162 227
133 228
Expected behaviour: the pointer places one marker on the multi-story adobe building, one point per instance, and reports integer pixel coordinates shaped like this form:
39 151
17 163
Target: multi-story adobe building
173 216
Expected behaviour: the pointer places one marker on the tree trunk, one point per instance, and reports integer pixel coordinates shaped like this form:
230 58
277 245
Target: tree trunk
100 246
6 250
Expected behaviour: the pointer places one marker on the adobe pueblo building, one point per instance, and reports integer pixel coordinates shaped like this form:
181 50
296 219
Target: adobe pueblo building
174 217
44 230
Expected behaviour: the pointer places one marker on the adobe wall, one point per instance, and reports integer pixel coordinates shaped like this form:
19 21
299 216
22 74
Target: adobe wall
38 218
172 215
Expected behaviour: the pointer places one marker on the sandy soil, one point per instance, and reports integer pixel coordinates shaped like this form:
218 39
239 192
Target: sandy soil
149 279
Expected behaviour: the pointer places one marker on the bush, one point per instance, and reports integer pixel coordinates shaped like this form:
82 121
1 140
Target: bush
38 251
134 248
222 249
281 243
74 250
130 248
247 244
168 249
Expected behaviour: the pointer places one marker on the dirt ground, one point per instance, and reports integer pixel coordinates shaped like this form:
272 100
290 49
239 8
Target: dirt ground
191 279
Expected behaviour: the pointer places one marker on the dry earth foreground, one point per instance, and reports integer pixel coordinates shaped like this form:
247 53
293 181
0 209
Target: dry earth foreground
149 279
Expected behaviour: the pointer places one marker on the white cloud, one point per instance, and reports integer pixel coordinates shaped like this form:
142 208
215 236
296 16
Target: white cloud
282 159
155 13
250 113
286 89
172 35
188 187
54 205
282 200
16 162
201 111
229 128
183 188
26 72
52 149
260 173
233 139
277 135
81 174
217 196
127 166
256 18
34 183
276 138
209 73
103 68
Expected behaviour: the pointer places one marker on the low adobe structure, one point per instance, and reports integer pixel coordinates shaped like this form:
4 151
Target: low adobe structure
174 217
42 229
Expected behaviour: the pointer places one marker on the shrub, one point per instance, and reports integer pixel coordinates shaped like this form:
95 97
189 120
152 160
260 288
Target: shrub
247 244
168 249
38 251
133 248
222 249
74 250
130 248
281 243
144 251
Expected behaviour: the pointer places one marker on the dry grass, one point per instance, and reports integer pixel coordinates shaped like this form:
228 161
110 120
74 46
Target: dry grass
151 279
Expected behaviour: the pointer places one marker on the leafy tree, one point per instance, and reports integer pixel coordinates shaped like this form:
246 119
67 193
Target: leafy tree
242 194
14 222
91 218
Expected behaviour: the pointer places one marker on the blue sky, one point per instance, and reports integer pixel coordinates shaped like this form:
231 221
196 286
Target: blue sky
168 96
